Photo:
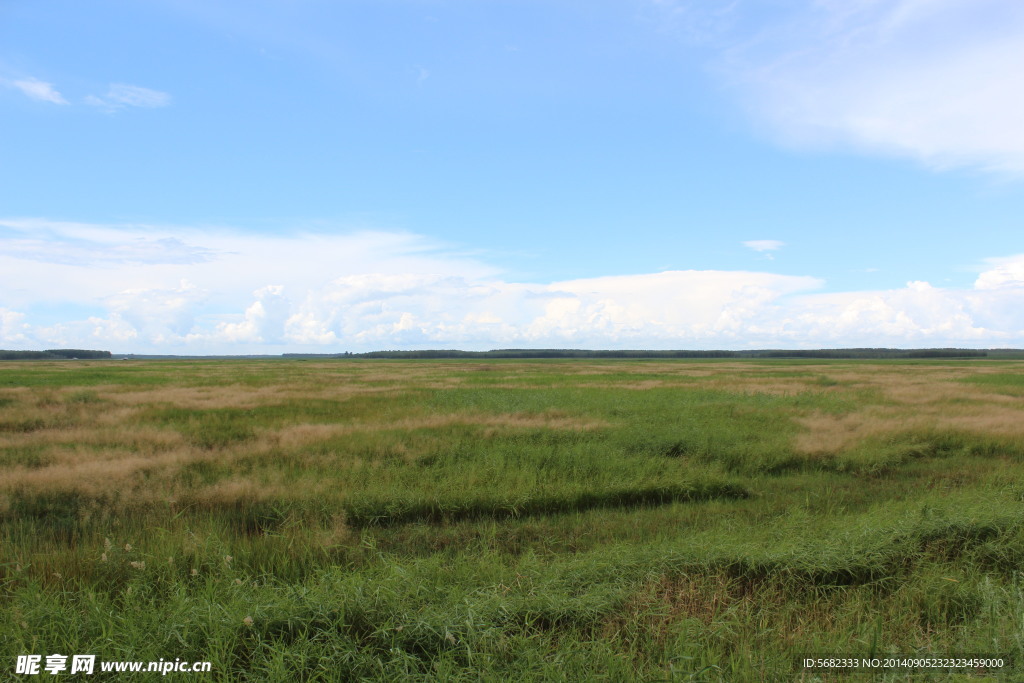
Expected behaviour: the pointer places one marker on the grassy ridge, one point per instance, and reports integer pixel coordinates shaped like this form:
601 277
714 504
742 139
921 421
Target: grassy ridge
552 520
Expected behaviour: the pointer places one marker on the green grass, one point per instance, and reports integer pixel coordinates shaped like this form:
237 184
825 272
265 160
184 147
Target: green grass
509 520
1011 384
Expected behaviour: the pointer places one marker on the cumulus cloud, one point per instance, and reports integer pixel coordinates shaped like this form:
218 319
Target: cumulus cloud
196 286
674 307
264 320
93 332
13 329
1002 273
917 315
928 79
38 90
251 293
160 314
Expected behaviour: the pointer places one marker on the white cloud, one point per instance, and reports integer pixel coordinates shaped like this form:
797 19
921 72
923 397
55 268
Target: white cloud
934 80
161 314
121 95
39 90
13 330
48 247
675 307
917 315
264 319
250 293
136 96
1003 273
764 245
117 97
697 23
93 333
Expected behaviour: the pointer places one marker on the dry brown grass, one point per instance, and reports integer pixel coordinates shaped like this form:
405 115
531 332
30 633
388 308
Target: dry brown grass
294 436
106 455
245 490
703 600
829 434
139 439
201 398
661 604
98 475
835 433
917 399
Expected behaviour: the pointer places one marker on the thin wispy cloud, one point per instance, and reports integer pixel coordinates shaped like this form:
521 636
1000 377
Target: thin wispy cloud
931 80
38 90
699 23
764 247
121 95
118 95
47 246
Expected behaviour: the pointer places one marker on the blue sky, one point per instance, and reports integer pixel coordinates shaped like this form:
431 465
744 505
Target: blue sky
187 176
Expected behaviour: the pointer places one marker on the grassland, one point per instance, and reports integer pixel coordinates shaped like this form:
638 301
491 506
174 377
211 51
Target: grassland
512 520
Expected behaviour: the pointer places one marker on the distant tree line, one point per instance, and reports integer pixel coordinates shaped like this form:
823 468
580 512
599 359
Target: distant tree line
539 353
54 354
866 353
586 353
83 354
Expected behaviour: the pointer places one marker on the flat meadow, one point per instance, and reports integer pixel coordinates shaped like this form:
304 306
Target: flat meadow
620 520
